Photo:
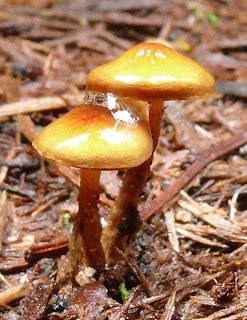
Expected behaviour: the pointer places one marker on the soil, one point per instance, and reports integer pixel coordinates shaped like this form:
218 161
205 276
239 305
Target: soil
188 259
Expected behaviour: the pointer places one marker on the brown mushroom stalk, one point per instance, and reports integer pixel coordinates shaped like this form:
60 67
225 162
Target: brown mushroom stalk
150 72
155 116
85 245
123 219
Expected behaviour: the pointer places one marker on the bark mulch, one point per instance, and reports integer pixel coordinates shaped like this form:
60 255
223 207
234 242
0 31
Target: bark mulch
188 260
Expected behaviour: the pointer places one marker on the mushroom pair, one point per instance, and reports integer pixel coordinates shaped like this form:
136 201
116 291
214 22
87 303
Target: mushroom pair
148 73
94 138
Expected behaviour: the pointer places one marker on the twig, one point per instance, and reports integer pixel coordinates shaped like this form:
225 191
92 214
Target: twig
203 160
137 271
170 225
229 44
200 239
40 104
123 18
13 293
129 5
14 268
169 308
22 193
224 312
232 88
3 215
48 250
126 305
4 169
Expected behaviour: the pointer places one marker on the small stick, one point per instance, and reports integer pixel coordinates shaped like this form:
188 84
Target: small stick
3 215
14 268
203 160
123 309
232 88
137 271
4 169
36 253
169 308
40 104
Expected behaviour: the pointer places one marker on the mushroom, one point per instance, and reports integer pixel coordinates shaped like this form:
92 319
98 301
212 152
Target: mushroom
94 138
150 72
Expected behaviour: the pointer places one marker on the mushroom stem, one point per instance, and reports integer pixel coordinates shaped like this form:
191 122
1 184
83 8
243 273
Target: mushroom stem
85 246
123 218
155 116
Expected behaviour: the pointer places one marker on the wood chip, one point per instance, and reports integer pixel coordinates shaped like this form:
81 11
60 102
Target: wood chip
212 219
169 308
199 239
13 293
170 224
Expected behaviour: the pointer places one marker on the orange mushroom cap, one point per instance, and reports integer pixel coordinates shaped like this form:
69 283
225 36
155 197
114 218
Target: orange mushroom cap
152 71
93 137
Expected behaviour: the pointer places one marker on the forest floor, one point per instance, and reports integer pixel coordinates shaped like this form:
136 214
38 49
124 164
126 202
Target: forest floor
188 260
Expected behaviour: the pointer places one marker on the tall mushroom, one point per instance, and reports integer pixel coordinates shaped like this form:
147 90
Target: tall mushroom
150 72
94 138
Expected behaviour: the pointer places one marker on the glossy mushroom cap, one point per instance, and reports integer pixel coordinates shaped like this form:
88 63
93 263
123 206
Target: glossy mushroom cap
152 71
93 137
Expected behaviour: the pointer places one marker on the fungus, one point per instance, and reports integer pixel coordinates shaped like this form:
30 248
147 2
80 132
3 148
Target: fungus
150 72
94 138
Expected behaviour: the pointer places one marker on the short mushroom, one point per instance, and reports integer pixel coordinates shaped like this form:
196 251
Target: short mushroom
94 138
150 72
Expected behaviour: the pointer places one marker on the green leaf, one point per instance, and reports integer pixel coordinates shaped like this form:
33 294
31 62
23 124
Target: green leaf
124 292
66 219
196 8
197 11
212 18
